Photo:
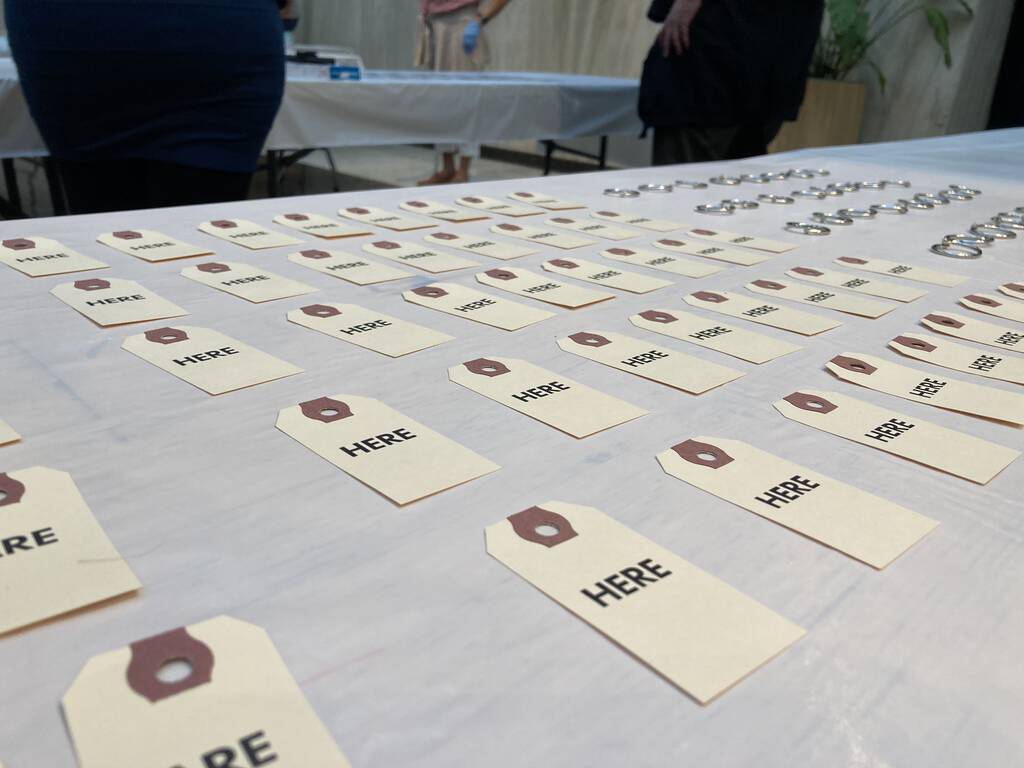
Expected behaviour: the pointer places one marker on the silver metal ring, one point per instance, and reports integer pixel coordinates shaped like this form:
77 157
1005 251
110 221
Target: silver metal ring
928 197
1007 222
856 213
896 182
832 218
735 202
1015 215
621 192
776 175
844 186
822 172
686 184
807 228
831 191
755 178
918 205
776 199
655 188
976 241
955 194
729 181
956 251
872 184
965 189
813 192
1019 209
800 173
715 209
889 208
998 233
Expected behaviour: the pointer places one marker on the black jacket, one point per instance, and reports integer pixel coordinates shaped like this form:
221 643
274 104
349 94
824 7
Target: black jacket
747 63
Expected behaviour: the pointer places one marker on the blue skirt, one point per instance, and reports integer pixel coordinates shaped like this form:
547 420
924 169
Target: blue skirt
194 82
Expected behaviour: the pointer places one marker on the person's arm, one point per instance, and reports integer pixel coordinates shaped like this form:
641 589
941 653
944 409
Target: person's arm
675 32
493 9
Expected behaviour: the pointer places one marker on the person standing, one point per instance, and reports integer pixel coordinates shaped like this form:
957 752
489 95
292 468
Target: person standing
451 39
722 76
150 103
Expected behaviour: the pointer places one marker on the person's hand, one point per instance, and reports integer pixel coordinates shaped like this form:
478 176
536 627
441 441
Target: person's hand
675 32
471 37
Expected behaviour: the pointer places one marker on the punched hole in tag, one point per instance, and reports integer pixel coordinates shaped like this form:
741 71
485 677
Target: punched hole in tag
815 404
329 412
547 529
174 671
707 456
3 495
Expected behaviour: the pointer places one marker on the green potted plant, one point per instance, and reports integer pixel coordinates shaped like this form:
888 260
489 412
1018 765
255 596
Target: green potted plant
834 107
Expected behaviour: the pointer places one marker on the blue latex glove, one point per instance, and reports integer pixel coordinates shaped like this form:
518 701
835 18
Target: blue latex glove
471 37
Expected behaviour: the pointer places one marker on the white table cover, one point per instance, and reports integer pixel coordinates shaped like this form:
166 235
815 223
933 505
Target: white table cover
418 649
396 107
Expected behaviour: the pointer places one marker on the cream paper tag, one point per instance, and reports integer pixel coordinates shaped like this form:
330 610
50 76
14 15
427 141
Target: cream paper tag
439 211
851 305
708 251
906 436
557 401
1016 290
963 327
649 361
755 311
55 556
455 299
368 328
738 342
533 286
859 524
236 706
593 272
352 269
544 201
481 245
7 433
246 281
698 632
959 357
207 359
920 387
1008 309
731 238
150 245
493 205
545 236
594 228
320 226
883 290
635 220
382 448
661 261
115 301
895 268
415 255
40 256
386 219
248 234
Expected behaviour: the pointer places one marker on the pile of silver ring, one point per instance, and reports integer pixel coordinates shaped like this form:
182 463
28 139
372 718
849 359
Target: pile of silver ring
968 245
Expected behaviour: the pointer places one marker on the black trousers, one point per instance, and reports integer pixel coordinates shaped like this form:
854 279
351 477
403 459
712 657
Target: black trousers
100 186
699 144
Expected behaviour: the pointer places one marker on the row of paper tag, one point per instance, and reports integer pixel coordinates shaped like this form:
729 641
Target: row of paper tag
60 560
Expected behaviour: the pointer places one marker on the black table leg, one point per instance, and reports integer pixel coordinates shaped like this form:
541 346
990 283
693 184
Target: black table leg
60 207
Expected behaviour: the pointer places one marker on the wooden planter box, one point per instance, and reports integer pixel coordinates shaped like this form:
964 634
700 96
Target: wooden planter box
831 114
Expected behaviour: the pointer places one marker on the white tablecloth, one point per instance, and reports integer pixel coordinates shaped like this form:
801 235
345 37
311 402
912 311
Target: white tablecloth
407 108
418 649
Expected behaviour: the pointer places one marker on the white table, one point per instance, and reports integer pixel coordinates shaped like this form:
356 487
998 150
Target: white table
399 107
418 649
